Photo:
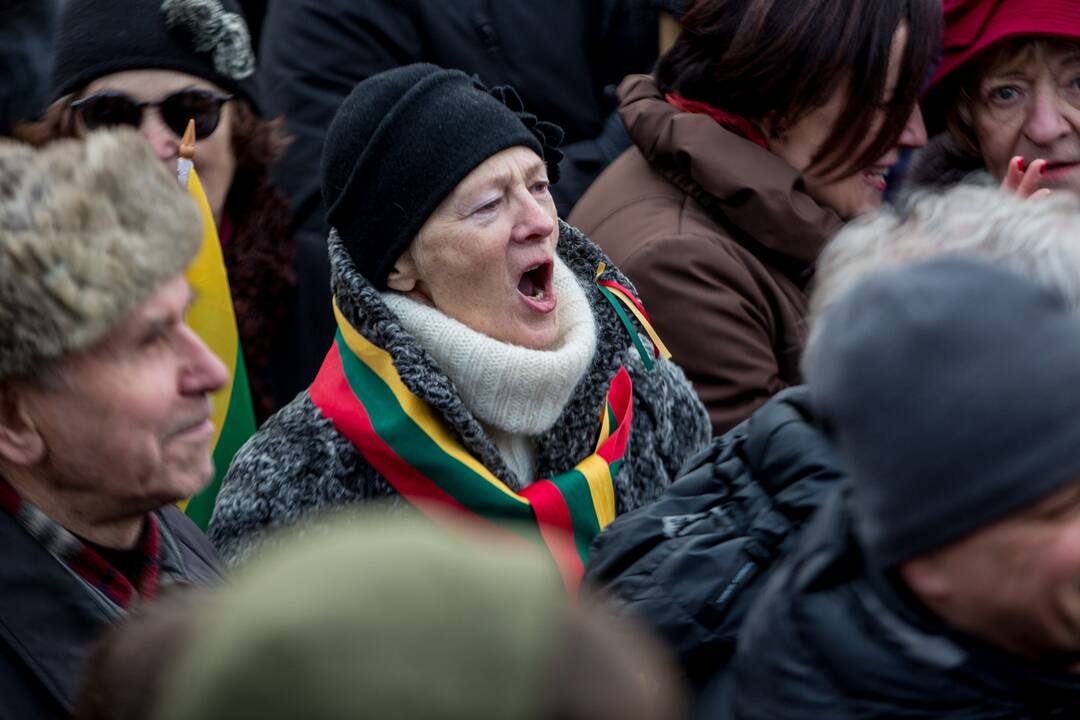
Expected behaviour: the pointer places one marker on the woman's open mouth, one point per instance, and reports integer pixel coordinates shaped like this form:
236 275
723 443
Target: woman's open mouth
536 289
875 177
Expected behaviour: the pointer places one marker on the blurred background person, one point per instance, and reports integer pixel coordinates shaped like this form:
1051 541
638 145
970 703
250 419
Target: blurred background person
384 619
741 170
153 65
1005 100
104 405
563 56
490 323
940 579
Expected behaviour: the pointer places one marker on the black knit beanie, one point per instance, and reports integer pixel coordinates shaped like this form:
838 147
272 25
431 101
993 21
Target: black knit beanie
205 38
402 141
951 390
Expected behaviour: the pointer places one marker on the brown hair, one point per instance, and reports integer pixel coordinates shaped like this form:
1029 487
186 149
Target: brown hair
780 59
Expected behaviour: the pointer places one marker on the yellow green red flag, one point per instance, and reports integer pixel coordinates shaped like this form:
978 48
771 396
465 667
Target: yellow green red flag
213 318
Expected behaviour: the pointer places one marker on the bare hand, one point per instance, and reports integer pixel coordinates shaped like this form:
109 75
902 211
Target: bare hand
1025 182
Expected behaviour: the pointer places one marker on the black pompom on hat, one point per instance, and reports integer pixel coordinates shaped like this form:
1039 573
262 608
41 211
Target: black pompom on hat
400 143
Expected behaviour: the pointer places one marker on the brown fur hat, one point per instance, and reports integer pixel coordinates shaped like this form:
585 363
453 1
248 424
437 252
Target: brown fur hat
88 229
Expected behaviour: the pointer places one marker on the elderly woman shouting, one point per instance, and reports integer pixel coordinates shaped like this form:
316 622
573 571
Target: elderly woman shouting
489 358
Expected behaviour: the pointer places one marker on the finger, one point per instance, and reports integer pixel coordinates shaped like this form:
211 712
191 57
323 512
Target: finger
1014 174
1044 192
1032 177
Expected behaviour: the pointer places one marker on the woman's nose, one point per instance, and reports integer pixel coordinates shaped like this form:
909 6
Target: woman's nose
163 140
914 134
536 219
1045 122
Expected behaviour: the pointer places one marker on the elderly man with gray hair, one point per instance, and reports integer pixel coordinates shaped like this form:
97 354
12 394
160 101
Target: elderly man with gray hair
104 405
937 439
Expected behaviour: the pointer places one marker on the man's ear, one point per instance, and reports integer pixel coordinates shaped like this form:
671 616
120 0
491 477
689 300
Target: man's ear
924 576
20 441
405 275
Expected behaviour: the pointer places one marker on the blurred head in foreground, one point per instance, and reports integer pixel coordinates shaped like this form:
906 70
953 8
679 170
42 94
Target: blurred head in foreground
392 619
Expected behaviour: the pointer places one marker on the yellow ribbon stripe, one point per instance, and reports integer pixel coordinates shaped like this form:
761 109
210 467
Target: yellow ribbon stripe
382 365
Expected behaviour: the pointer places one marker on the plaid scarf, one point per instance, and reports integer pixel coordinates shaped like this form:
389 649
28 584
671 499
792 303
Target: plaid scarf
83 561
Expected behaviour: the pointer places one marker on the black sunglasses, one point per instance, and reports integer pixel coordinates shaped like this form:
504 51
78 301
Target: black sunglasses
116 108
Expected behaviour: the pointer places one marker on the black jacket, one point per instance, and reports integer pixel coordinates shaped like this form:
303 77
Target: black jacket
49 620
691 564
829 638
564 58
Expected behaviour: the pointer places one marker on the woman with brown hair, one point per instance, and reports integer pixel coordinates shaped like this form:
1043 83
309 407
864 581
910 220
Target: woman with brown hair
767 125
153 65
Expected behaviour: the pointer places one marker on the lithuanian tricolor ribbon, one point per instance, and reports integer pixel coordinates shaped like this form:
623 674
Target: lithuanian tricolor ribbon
407 443
212 317
616 293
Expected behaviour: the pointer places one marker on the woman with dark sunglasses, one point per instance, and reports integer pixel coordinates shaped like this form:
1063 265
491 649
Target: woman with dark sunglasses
153 65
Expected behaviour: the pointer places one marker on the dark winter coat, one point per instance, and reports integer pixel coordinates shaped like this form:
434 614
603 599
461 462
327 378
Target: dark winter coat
50 620
720 238
829 638
691 564
562 56
298 464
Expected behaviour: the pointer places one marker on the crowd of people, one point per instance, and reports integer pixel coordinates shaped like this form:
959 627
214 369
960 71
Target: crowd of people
585 359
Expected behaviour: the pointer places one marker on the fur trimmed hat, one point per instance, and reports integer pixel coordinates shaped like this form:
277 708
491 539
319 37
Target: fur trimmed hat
88 229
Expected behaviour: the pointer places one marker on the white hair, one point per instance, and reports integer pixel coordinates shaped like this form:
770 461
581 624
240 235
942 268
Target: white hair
1037 238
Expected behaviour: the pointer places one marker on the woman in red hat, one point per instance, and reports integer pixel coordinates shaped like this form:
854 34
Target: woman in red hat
1007 95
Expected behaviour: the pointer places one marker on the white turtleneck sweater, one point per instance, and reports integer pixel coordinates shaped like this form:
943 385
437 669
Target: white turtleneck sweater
516 393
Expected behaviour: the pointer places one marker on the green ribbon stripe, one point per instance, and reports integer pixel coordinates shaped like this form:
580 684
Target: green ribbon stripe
239 425
629 327
402 434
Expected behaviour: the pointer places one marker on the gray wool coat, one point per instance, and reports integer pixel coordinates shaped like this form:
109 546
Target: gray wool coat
298 465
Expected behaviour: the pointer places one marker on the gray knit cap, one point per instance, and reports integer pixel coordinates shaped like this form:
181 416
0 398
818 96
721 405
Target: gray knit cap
88 229
950 388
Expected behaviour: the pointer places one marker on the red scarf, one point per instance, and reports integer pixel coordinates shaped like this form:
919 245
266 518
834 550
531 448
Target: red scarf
735 123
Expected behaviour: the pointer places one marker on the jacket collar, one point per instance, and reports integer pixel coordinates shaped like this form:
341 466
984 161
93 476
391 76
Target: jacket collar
757 196
573 436
51 619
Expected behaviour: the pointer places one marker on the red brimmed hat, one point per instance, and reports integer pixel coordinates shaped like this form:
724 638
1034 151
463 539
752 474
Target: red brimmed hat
972 26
